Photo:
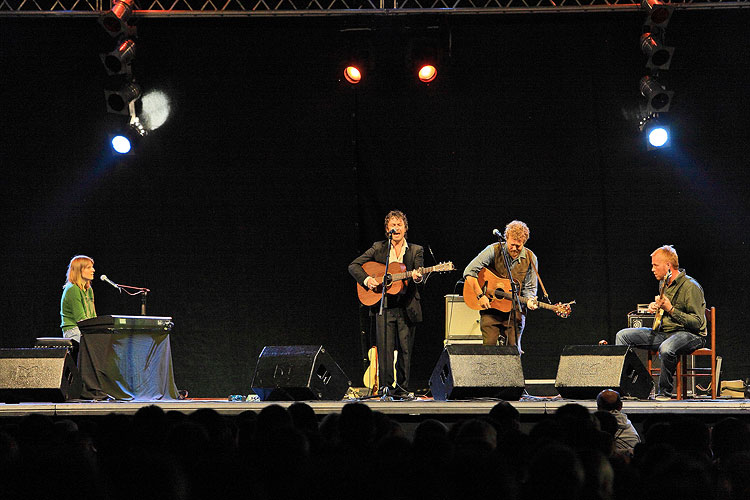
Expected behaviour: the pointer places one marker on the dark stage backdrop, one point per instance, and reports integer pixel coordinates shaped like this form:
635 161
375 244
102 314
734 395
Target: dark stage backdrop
243 211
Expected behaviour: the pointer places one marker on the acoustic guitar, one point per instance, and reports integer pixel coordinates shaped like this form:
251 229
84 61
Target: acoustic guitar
395 279
498 291
371 378
660 313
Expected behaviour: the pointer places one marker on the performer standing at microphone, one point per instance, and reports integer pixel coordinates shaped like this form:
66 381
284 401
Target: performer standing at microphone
77 301
402 311
497 326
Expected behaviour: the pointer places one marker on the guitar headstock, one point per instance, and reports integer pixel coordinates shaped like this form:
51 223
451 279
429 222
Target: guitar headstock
563 310
443 267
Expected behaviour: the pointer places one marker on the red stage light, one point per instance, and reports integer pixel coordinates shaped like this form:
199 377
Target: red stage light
352 75
427 73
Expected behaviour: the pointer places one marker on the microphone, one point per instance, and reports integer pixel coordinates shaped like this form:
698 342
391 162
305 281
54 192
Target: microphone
499 235
392 231
103 277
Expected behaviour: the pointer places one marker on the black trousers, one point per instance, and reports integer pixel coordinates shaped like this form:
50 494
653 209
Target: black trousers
394 333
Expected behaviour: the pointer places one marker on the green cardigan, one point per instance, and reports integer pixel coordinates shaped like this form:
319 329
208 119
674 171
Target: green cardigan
76 305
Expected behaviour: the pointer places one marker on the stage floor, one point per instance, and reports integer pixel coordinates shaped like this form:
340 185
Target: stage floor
531 409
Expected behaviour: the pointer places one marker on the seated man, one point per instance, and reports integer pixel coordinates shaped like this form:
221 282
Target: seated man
683 324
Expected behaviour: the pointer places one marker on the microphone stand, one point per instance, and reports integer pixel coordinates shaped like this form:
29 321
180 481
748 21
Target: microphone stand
143 292
514 290
384 313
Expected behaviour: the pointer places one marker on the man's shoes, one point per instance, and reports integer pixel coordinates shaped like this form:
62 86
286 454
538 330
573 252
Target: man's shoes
663 397
402 394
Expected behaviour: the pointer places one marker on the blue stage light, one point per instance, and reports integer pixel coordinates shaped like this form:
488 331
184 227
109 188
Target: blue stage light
121 144
658 136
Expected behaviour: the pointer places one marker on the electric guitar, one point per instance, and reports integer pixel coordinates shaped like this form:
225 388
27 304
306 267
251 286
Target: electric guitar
660 313
497 290
395 279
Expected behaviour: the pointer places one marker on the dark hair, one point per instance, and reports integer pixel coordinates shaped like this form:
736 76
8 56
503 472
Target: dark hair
399 215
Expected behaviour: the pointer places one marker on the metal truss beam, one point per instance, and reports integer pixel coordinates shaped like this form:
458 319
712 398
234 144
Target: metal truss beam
300 8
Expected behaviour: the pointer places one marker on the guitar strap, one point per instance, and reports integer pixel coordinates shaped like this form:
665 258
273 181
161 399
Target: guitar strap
544 291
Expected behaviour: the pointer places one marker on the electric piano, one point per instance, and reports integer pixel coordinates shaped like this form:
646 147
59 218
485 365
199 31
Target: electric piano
119 323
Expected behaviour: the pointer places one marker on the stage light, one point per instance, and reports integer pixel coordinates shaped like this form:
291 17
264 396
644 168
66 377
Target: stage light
658 136
658 98
125 140
352 74
658 14
119 101
657 132
427 73
118 61
659 56
115 21
355 55
422 57
121 144
155 109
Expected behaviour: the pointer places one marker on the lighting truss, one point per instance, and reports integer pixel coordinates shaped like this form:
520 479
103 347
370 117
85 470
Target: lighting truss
300 8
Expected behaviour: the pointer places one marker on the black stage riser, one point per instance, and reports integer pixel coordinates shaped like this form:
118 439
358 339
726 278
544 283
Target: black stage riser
586 370
466 371
298 373
39 375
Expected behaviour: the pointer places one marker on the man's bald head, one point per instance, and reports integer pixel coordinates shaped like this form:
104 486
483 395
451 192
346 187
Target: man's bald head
608 400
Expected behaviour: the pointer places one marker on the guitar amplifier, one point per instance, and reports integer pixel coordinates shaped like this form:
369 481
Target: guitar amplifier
461 322
636 320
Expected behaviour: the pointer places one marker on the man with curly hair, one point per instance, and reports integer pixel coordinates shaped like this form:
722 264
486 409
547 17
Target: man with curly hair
497 326
395 328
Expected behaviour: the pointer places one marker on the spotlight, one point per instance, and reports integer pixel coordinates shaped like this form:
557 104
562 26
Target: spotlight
121 144
118 61
126 140
155 109
659 56
658 14
119 101
427 73
355 49
115 22
352 74
658 98
657 132
423 58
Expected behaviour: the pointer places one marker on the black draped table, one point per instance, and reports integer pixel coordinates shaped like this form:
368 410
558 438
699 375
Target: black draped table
126 358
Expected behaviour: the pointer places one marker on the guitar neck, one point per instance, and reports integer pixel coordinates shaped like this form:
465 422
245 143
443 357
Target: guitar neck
407 274
525 300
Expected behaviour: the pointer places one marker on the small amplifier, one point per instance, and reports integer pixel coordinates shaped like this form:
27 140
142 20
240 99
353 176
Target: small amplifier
642 309
640 320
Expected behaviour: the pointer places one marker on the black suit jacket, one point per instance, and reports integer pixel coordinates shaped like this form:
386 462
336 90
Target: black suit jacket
413 258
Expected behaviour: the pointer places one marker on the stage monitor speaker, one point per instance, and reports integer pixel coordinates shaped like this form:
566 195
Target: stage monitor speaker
38 374
466 371
298 373
586 370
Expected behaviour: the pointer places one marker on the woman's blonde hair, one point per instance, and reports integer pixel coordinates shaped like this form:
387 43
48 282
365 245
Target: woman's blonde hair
74 271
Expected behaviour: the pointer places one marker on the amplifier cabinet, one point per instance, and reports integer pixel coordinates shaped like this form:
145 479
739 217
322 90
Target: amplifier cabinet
461 322
640 320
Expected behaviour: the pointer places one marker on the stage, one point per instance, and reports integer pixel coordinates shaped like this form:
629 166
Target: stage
408 413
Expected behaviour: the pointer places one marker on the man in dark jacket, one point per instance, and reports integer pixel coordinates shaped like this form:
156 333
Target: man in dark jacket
396 326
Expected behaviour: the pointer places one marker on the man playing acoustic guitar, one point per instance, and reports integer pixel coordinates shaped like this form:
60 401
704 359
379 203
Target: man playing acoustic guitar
681 308
402 310
496 324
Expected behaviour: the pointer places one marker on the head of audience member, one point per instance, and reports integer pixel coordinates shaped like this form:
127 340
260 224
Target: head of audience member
608 400
607 422
728 436
356 425
556 472
506 416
